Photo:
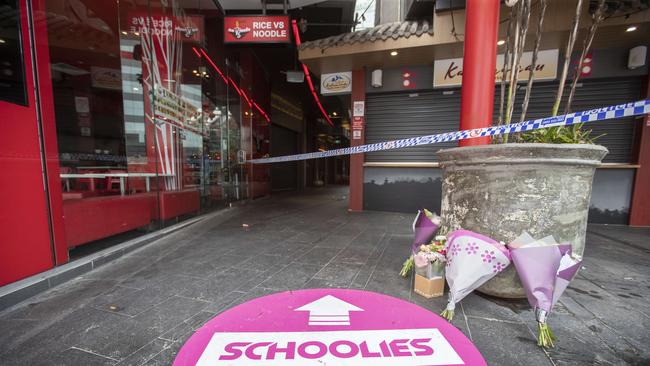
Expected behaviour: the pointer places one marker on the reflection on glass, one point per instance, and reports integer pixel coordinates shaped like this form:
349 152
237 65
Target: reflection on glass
12 71
149 130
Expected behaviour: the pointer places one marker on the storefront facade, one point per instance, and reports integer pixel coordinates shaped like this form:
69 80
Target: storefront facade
122 118
411 86
408 179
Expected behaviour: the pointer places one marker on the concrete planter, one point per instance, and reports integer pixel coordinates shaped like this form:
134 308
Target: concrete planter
502 190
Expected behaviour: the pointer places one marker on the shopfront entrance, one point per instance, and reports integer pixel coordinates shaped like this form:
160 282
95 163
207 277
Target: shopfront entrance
407 179
135 117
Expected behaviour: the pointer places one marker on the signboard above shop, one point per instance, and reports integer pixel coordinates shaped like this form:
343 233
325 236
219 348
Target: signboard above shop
256 29
336 83
449 72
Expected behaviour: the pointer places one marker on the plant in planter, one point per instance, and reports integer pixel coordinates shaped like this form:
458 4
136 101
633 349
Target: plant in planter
539 181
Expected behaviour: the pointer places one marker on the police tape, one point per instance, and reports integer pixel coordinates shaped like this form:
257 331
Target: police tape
592 115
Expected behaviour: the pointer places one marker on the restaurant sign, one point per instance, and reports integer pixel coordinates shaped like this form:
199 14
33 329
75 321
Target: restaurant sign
336 83
186 28
449 72
256 29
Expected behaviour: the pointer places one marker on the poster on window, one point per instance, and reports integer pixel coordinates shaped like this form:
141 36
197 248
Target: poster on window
171 108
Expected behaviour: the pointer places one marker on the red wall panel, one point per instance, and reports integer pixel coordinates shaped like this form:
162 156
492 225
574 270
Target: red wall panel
25 244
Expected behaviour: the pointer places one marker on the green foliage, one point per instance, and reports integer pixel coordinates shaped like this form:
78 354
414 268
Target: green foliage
559 135
407 267
545 337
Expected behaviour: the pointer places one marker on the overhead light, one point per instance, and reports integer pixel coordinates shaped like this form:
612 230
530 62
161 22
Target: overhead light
334 114
501 42
125 32
631 28
2 41
393 53
135 89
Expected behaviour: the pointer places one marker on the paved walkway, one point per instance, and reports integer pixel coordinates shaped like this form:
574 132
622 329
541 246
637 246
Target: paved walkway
140 309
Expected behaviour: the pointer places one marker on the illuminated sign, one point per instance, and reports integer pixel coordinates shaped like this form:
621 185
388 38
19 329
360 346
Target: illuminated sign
256 29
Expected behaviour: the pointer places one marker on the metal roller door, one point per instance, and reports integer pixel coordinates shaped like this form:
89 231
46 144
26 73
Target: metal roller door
401 115
618 133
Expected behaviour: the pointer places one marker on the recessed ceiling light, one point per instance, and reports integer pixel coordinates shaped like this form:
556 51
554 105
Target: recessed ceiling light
501 42
2 41
631 28
135 89
125 32
334 114
393 53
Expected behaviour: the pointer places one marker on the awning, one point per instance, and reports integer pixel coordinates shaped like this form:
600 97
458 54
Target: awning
382 32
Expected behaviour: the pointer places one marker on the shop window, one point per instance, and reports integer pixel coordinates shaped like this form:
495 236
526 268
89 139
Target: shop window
12 65
151 120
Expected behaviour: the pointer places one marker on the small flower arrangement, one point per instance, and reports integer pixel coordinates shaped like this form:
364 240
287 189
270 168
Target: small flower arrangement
430 259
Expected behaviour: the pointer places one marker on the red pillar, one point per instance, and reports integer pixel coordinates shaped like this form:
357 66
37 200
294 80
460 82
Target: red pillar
479 65
357 137
640 206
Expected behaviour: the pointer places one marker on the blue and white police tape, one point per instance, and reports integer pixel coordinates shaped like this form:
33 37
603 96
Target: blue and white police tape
592 115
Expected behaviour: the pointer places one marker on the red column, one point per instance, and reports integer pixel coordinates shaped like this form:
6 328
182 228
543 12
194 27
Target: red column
640 206
479 65
357 137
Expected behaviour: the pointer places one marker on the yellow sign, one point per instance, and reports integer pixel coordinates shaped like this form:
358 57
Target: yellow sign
171 108
449 72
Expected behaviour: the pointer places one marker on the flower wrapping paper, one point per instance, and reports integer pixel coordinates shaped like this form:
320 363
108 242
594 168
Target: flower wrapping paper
472 259
545 270
424 228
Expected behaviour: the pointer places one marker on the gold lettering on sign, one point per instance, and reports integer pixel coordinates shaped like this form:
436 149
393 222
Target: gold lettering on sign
449 72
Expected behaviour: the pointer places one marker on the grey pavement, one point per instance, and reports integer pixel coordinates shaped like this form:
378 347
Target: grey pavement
139 309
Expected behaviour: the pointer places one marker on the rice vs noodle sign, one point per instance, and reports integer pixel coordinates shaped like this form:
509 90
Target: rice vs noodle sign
256 29
328 327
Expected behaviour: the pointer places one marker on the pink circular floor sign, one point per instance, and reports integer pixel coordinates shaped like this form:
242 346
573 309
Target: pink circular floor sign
328 327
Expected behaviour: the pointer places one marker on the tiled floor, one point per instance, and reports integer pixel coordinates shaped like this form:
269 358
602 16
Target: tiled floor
140 309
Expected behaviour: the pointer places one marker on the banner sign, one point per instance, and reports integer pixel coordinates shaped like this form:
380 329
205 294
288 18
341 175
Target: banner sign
592 115
256 29
328 327
336 83
449 72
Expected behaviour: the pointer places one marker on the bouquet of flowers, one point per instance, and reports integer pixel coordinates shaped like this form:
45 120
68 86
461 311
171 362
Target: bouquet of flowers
425 225
472 259
430 260
545 269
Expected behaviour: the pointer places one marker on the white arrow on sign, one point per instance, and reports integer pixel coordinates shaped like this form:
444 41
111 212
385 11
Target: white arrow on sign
329 310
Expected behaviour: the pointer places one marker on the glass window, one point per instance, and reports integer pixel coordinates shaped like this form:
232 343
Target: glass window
12 65
153 114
